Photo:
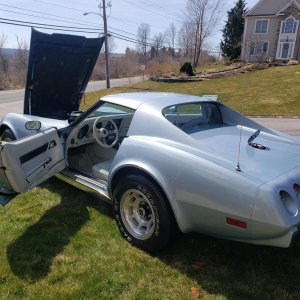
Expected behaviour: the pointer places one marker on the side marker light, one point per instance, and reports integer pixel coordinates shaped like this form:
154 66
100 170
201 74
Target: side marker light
236 223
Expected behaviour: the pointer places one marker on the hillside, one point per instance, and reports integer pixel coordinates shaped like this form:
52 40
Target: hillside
10 51
269 92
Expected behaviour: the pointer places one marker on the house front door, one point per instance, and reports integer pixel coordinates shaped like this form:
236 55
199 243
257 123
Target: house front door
287 38
286 50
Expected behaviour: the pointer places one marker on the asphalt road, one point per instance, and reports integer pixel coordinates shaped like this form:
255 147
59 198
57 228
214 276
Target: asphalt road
12 101
290 126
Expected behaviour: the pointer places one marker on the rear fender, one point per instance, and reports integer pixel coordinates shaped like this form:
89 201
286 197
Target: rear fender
153 173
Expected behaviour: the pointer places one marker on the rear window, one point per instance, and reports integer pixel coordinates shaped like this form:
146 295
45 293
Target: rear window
193 116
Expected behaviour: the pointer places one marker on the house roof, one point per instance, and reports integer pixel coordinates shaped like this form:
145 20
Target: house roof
270 7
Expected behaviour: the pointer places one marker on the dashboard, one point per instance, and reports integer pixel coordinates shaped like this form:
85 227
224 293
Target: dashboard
83 133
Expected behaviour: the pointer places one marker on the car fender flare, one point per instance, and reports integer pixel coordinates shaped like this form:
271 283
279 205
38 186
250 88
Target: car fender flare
14 122
5 126
128 167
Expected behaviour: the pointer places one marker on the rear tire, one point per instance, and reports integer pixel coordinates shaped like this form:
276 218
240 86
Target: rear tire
141 213
7 135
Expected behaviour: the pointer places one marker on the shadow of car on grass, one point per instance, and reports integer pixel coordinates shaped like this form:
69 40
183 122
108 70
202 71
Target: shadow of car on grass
220 267
30 256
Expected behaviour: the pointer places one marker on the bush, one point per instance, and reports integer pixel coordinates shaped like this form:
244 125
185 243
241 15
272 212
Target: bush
187 69
292 62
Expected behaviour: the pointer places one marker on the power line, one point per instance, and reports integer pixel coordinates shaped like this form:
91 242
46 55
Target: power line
129 39
30 15
58 5
43 24
151 4
64 28
45 27
158 7
52 27
67 29
124 21
147 9
42 13
47 14
28 10
131 23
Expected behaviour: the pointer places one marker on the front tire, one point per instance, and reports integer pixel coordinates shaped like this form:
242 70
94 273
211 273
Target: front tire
7 135
141 213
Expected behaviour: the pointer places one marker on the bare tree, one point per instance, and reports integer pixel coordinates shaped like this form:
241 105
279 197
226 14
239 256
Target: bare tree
185 39
203 16
21 55
248 47
254 47
158 40
171 36
4 58
143 35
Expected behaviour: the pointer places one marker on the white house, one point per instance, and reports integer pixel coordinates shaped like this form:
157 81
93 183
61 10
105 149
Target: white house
272 31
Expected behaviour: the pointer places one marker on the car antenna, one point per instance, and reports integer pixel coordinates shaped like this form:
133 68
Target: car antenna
238 167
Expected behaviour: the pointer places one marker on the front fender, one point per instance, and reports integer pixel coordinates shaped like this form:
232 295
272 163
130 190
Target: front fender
16 122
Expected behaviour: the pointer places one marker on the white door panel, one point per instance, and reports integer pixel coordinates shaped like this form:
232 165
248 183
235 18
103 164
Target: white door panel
29 161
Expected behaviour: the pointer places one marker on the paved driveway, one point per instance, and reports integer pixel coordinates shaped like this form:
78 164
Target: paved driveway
290 126
12 101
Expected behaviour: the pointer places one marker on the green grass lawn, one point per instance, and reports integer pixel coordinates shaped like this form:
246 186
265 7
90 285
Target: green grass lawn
270 92
60 243
57 242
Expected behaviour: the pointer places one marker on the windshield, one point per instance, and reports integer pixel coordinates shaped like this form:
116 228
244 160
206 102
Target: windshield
110 109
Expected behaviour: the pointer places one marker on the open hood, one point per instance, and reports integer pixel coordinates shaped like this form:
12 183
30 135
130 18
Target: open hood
59 69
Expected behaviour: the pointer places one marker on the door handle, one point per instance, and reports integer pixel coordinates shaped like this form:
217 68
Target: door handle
39 170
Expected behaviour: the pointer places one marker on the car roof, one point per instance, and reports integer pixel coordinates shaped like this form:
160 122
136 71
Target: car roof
157 100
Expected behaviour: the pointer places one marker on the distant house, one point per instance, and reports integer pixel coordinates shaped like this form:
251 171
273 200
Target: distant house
272 31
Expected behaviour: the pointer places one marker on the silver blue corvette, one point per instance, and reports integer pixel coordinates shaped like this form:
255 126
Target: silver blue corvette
164 161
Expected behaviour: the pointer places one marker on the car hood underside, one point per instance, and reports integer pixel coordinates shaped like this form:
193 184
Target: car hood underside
59 69
222 143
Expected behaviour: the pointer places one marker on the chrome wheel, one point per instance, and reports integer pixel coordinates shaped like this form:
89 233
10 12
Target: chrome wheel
137 214
141 213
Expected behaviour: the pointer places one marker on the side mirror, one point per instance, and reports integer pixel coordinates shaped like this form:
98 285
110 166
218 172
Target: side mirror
33 125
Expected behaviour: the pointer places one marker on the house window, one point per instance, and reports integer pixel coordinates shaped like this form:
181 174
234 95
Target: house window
261 26
259 48
289 26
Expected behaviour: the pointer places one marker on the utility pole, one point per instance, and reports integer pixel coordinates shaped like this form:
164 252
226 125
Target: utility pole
106 40
104 6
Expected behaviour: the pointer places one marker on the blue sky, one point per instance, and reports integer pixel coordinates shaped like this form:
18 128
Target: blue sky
125 17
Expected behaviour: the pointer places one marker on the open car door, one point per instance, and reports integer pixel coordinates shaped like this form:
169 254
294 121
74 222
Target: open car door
27 162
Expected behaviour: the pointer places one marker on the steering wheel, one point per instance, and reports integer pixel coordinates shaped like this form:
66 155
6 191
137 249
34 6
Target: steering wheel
105 132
